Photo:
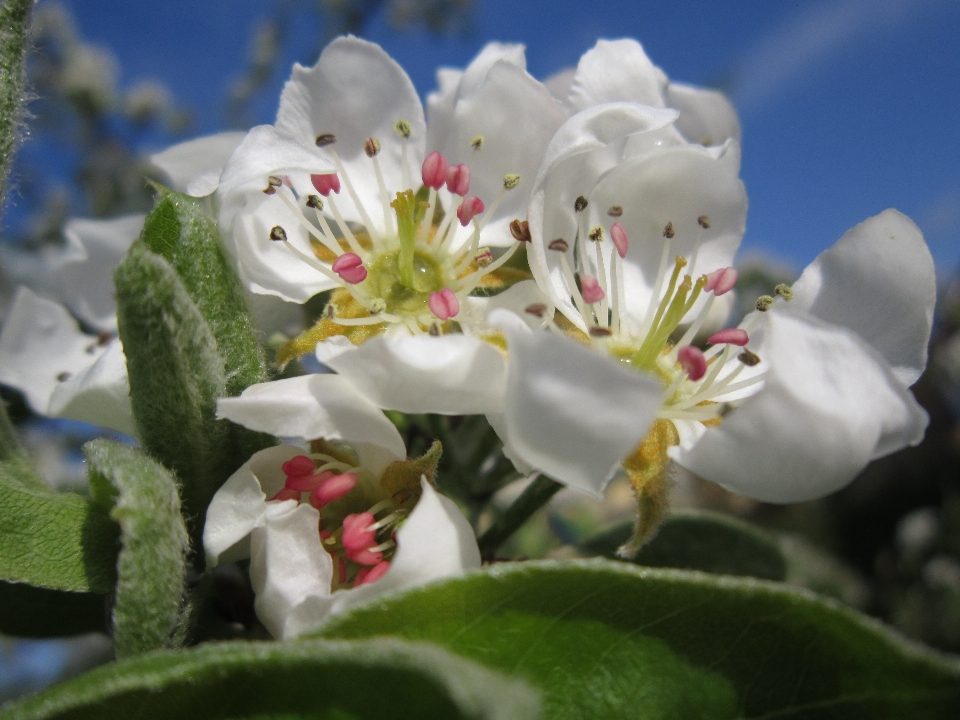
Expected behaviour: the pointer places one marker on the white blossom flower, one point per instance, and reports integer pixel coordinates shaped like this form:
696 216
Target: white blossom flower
194 167
788 407
331 528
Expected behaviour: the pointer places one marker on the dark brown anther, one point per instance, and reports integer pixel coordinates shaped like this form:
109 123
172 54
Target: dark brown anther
560 245
596 234
277 233
704 222
275 181
615 211
269 190
580 204
599 332
668 231
326 139
537 309
64 376
748 358
104 337
520 229
371 146
314 201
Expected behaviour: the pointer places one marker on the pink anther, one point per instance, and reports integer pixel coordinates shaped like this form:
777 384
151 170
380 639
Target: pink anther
458 179
308 482
356 536
730 336
692 361
591 290
620 240
333 489
299 465
434 170
325 183
350 268
470 207
365 576
444 304
721 281
287 494
366 556
325 534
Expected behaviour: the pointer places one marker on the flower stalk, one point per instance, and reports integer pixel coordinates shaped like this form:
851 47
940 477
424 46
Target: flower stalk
534 497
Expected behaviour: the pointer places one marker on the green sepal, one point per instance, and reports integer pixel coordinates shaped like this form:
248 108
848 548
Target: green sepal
319 680
149 608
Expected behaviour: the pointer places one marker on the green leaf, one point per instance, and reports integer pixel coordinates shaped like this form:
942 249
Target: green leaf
53 540
181 230
176 376
40 613
606 639
149 609
14 20
705 541
373 680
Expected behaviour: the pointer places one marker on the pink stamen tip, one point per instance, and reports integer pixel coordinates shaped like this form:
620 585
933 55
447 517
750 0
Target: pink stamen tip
333 489
721 281
307 483
325 534
591 290
470 207
325 183
730 336
365 576
620 240
458 179
434 170
444 304
692 360
355 533
350 268
287 494
299 465
365 556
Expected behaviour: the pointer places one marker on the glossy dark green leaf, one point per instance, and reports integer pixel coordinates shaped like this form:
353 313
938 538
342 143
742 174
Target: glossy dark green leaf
605 639
149 608
371 680
704 541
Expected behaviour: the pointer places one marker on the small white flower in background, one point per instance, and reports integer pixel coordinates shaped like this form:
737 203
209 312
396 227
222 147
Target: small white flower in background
331 528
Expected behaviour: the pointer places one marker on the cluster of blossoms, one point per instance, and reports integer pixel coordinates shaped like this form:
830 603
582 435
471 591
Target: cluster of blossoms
557 256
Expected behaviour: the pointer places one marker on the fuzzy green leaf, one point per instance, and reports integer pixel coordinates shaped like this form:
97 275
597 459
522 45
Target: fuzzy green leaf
14 20
149 608
605 639
371 680
40 613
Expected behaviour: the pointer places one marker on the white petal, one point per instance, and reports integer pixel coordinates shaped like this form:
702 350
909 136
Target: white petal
449 375
356 91
194 166
517 298
310 407
516 116
706 116
828 406
615 71
40 343
435 542
560 82
440 107
85 278
99 394
573 413
288 563
879 281
240 505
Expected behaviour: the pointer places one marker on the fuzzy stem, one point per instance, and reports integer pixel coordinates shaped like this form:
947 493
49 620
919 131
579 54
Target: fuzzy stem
14 20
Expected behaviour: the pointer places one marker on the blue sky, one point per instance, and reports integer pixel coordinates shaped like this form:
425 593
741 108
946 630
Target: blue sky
847 106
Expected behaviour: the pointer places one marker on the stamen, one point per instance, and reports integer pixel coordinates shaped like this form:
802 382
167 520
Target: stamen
347 232
299 465
434 170
423 231
356 200
572 286
458 179
597 237
444 304
325 239
592 292
764 303
520 230
372 148
615 292
308 483
722 280
748 358
615 211
731 336
477 143
620 240
364 556
402 128
325 182
326 139
510 181
349 266
286 494
692 361
784 291
356 532
469 208
366 576
657 286
333 489
470 282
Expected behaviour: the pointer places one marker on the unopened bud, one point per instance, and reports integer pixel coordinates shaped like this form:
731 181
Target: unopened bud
277 233
511 180
580 204
477 142
560 245
536 309
520 230
749 358
596 234
371 146
668 230
704 222
402 128
326 139
615 211
764 303
784 291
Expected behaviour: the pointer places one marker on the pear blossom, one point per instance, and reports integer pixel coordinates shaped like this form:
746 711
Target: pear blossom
194 166
332 527
329 196
787 407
